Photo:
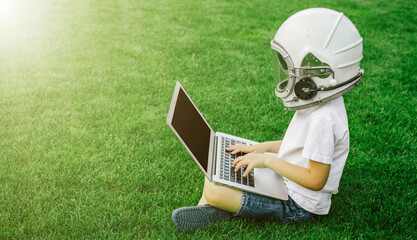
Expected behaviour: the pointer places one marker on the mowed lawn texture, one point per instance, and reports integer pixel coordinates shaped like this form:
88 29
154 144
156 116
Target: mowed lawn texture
85 86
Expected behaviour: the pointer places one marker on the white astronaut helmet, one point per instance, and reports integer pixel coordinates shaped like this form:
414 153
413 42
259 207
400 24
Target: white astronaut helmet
317 55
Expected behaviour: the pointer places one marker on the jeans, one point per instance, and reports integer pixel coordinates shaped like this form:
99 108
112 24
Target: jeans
258 206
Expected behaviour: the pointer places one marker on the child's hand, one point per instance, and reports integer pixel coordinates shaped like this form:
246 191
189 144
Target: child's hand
240 148
251 160
257 148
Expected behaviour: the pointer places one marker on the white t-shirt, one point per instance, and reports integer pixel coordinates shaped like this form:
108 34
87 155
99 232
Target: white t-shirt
321 134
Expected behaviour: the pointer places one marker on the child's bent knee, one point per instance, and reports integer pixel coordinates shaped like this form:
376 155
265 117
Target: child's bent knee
222 197
212 194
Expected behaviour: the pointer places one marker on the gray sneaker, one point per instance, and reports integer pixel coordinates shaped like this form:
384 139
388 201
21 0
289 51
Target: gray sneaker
193 218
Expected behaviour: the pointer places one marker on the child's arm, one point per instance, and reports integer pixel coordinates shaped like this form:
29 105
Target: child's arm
272 147
313 178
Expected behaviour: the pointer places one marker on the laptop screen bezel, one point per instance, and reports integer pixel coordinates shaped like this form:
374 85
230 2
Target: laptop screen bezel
171 111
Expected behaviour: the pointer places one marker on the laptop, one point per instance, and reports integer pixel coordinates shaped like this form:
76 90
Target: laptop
208 149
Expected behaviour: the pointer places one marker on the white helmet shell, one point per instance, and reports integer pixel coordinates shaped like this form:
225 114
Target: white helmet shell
320 50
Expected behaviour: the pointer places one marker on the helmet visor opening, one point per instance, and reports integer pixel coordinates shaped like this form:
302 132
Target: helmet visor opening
283 84
312 66
280 71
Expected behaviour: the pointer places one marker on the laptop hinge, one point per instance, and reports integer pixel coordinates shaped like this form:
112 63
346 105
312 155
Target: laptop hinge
213 164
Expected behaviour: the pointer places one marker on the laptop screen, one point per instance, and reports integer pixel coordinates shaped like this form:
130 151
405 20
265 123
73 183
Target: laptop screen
192 128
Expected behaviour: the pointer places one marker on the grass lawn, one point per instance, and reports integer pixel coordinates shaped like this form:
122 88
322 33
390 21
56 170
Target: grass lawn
85 86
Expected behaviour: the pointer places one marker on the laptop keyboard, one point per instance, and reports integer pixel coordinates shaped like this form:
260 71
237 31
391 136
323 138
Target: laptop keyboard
227 171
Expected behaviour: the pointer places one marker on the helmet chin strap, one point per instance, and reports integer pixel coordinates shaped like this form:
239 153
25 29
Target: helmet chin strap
359 75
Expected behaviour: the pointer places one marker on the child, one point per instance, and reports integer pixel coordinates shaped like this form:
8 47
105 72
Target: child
317 54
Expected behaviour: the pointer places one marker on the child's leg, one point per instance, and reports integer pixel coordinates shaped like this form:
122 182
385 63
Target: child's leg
222 202
222 197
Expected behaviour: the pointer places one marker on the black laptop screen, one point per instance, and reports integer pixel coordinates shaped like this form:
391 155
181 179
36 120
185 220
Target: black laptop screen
192 128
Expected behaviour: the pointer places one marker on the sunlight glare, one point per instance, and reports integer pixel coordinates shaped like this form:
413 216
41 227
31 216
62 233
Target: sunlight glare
8 10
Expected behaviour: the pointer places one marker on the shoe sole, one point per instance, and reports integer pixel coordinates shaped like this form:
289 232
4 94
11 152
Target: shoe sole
190 218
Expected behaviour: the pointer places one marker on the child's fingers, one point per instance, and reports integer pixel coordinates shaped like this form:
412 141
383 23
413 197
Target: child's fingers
240 148
235 148
239 165
236 161
248 169
231 148
242 161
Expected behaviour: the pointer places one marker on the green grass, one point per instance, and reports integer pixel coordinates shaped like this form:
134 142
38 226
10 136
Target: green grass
85 87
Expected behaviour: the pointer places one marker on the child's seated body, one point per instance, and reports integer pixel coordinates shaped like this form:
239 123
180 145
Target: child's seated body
314 70
319 134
